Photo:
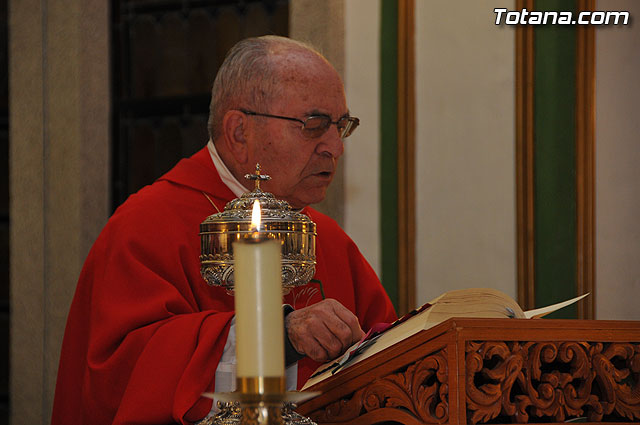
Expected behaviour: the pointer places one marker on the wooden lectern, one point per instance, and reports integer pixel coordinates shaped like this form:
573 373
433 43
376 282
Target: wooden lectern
474 371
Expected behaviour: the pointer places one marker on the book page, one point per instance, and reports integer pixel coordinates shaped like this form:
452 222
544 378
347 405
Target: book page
543 311
472 302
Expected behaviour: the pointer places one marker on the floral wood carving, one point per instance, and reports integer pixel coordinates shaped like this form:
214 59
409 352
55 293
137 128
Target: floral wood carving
552 380
421 389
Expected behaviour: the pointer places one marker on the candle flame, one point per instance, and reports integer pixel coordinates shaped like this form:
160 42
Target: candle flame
255 216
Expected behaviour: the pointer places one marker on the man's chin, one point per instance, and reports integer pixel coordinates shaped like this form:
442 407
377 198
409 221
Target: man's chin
308 199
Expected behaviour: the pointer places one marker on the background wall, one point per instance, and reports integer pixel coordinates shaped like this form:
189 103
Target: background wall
59 156
362 150
465 148
617 170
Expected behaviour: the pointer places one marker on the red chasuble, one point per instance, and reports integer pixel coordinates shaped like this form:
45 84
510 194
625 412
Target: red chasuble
145 332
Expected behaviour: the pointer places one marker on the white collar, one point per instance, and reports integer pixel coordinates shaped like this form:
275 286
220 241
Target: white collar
227 178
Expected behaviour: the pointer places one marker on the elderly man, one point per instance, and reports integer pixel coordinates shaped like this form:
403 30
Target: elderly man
145 335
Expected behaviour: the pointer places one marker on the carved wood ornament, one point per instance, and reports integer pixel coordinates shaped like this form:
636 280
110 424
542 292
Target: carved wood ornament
539 381
421 390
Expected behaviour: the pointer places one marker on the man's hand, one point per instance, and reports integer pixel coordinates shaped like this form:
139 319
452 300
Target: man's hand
323 331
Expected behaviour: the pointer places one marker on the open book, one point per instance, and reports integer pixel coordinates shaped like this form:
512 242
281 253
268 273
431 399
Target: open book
473 302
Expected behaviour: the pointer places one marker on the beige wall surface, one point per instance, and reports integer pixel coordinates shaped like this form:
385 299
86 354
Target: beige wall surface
59 154
617 177
362 149
465 148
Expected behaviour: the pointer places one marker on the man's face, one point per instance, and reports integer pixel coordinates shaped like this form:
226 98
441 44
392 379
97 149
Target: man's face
300 167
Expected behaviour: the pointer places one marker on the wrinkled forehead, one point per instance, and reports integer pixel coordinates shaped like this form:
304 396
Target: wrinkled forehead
310 78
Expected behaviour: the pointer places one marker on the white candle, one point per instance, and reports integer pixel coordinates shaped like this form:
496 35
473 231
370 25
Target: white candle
258 303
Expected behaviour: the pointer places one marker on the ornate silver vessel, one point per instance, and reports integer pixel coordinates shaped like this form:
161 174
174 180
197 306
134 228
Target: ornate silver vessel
296 232
230 414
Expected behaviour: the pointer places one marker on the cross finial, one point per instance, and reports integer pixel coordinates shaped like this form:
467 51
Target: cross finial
257 177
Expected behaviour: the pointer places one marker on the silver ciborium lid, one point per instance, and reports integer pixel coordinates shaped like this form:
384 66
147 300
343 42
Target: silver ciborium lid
296 232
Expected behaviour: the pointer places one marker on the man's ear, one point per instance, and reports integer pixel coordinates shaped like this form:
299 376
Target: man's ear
234 135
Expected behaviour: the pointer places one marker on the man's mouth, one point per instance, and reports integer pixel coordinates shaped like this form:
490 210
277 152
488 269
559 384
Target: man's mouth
324 176
323 171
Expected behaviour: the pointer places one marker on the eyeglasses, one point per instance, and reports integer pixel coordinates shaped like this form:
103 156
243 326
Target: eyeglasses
316 125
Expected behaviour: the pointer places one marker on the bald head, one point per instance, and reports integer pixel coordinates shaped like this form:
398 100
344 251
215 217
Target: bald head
254 73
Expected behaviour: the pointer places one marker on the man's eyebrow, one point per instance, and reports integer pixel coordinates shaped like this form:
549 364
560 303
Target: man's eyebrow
317 112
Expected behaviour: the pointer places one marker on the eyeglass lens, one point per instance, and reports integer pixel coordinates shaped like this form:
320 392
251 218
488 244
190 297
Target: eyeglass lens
316 126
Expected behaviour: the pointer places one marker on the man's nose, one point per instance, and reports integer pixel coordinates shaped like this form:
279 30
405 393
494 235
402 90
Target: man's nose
331 143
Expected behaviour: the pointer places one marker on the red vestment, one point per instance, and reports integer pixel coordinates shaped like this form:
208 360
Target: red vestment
145 332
